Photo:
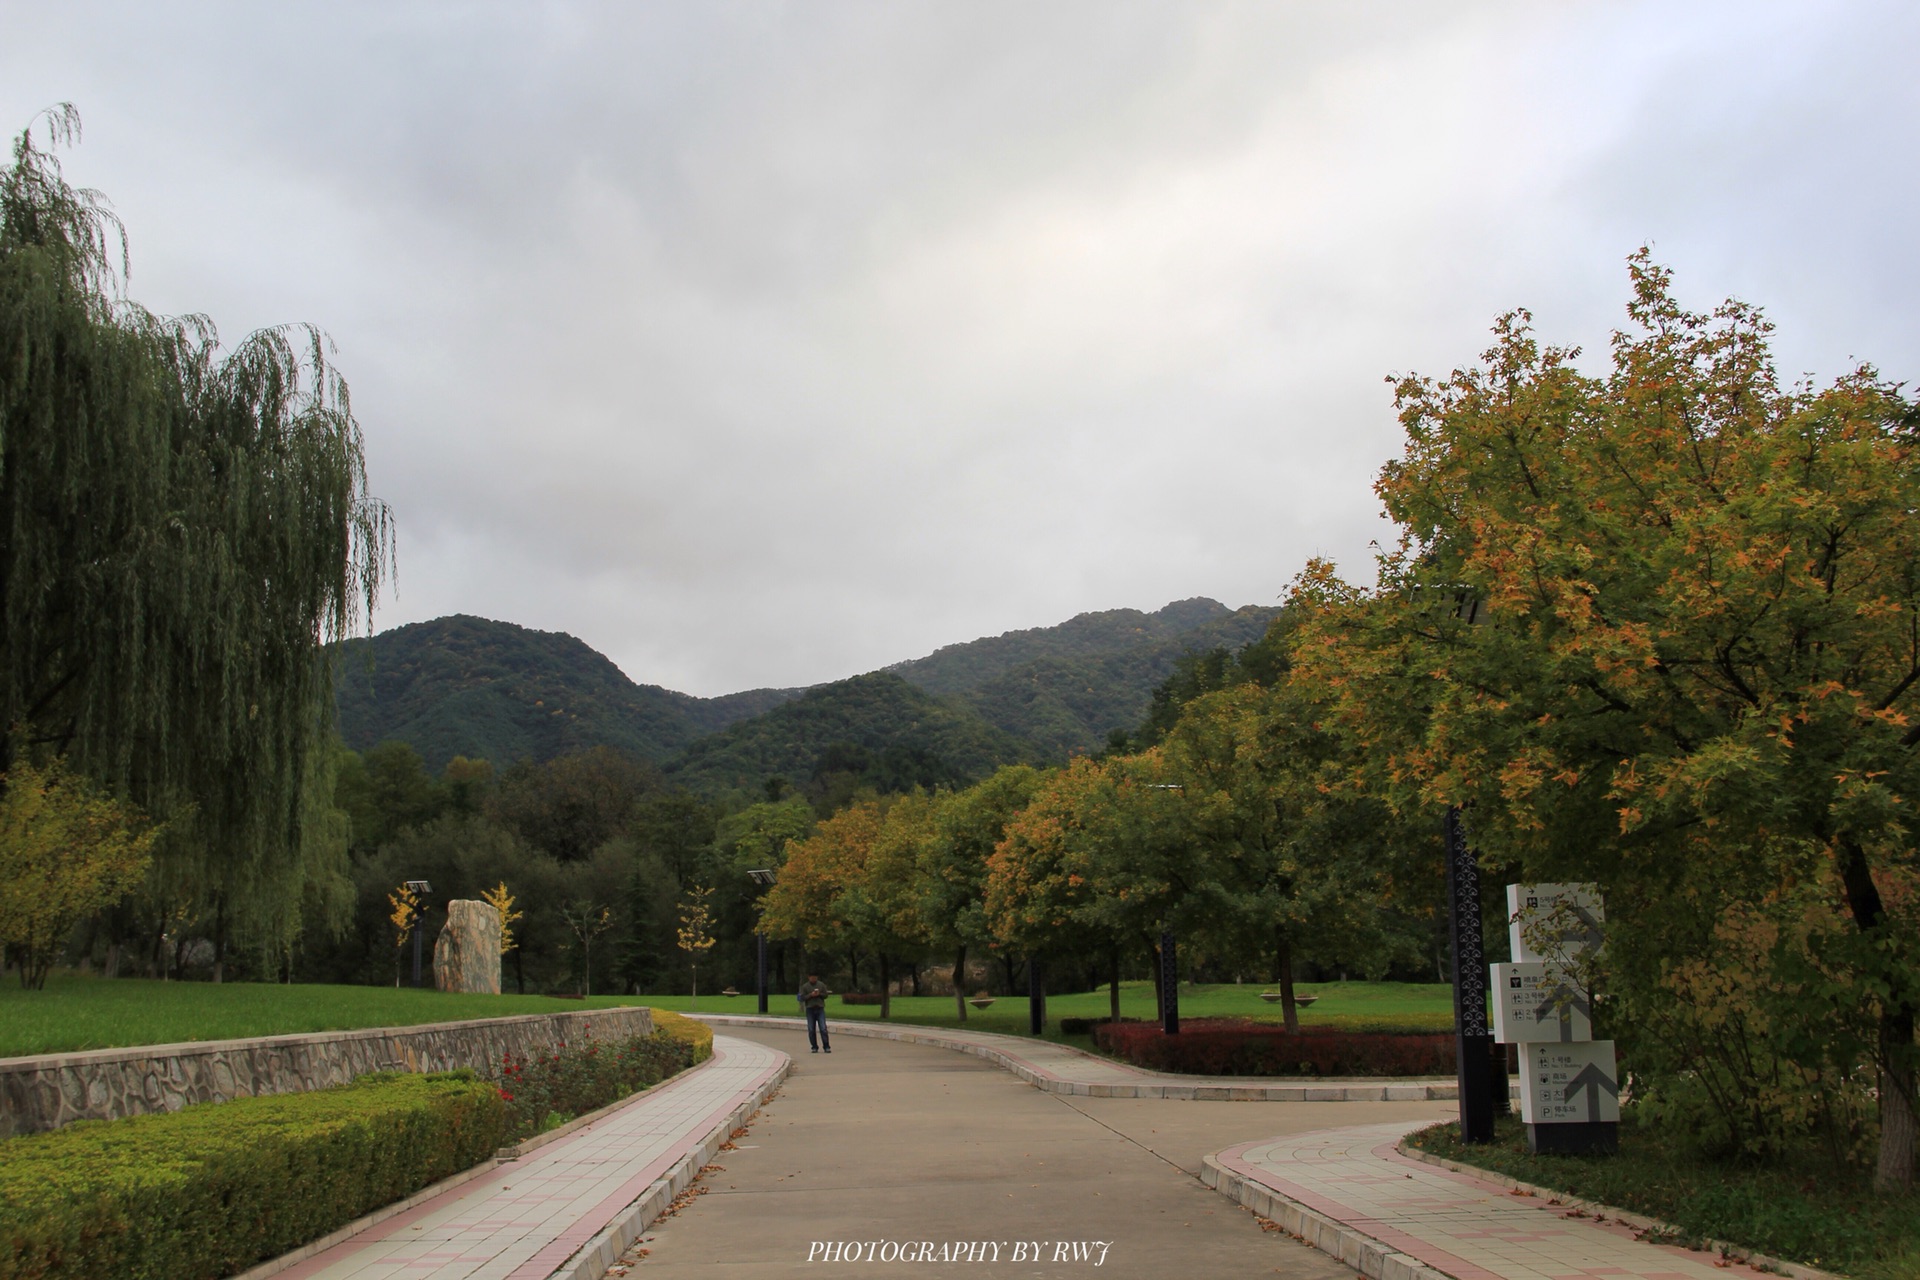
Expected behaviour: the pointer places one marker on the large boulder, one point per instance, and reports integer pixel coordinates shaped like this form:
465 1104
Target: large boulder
467 955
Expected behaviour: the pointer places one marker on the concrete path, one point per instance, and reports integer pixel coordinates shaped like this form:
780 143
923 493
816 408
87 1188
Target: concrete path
1060 1068
1350 1192
569 1208
1346 1190
913 1156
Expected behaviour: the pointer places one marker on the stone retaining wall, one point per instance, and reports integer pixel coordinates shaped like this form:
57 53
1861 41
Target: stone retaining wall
46 1092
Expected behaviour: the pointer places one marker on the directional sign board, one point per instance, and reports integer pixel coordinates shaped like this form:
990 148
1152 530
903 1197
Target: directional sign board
1536 1003
1569 1083
1554 922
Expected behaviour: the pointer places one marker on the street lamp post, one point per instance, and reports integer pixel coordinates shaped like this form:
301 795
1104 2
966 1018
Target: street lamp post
420 890
1473 1039
1169 974
762 876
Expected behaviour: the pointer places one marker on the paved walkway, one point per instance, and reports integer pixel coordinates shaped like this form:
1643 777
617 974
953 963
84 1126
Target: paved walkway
1059 1068
571 1207
1349 1192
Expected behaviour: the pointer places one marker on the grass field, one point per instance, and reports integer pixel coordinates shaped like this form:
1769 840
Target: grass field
77 1012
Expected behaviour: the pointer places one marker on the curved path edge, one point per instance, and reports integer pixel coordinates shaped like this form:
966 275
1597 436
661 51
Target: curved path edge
1637 1221
1368 1256
1059 1068
1356 1194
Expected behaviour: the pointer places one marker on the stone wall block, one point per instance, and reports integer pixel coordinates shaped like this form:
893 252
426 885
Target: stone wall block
45 1092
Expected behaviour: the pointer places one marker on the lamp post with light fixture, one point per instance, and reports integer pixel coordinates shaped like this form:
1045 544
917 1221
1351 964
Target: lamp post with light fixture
420 889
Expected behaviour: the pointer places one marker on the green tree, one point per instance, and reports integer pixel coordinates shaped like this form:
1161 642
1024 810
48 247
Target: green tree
179 527
66 850
950 871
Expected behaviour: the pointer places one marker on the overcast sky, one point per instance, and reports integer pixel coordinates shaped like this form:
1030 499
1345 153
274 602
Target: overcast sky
766 344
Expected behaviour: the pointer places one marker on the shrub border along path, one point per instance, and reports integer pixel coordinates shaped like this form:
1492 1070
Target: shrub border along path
573 1207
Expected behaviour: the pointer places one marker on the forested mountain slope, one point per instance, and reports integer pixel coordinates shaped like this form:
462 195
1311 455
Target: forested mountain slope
1066 688
471 686
875 730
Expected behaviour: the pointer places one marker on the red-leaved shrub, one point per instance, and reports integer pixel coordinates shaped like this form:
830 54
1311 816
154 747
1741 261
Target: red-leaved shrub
1227 1047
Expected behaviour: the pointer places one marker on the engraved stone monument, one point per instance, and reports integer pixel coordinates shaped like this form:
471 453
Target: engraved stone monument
467 955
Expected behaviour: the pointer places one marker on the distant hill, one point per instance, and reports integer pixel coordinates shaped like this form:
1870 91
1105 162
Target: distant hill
894 728
1065 688
471 686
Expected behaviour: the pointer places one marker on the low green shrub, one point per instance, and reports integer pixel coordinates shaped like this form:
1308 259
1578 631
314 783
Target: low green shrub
210 1190
1230 1047
549 1089
1087 1026
860 997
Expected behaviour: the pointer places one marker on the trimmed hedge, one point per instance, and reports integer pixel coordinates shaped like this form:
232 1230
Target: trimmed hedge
1087 1026
210 1190
860 997
691 1030
1228 1047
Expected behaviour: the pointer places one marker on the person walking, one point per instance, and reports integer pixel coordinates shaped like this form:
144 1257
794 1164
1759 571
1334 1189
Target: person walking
813 994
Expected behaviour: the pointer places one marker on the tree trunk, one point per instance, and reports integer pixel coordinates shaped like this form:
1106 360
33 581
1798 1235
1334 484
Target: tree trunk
1113 983
853 969
220 940
1283 961
1893 1171
913 973
1013 974
960 982
886 990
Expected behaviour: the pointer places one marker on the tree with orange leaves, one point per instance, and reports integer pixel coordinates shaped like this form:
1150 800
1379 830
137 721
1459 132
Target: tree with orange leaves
1660 629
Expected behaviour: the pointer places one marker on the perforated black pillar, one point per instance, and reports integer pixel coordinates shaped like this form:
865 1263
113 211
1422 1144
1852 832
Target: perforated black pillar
1474 1041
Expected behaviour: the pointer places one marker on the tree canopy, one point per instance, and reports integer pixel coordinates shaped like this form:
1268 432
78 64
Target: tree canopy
181 527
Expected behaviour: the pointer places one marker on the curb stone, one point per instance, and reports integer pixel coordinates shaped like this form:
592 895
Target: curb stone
1152 1085
594 1258
1362 1252
1639 1222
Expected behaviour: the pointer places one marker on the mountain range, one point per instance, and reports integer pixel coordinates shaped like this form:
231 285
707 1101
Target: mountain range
469 686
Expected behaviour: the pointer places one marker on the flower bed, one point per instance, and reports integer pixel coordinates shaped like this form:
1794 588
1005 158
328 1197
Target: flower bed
1231 1047
210 1190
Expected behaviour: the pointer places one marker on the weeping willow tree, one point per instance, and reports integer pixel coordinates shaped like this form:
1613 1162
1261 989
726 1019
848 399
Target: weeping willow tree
183 529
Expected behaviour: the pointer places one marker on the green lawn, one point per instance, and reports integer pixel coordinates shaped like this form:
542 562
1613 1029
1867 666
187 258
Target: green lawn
77 1012
1352 1006
1804 1211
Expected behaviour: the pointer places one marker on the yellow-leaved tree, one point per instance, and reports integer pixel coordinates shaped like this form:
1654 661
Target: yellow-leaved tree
67 849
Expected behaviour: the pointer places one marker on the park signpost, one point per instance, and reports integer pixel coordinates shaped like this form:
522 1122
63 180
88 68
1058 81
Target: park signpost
1570 1083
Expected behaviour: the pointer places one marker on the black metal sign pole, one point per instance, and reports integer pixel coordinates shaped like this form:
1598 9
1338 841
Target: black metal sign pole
1473 1040
1169 986
1036 997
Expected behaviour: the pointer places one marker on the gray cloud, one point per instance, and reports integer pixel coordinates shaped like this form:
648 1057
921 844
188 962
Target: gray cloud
765 344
